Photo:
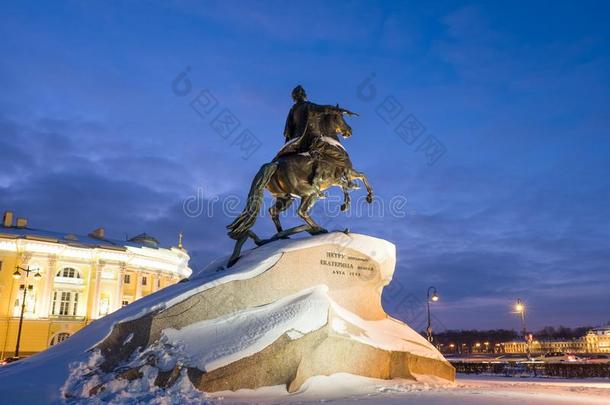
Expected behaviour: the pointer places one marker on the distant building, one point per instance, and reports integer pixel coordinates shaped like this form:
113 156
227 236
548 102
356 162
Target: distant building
596 340
82 278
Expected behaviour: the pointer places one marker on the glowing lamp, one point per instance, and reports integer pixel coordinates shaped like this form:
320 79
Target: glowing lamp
519 307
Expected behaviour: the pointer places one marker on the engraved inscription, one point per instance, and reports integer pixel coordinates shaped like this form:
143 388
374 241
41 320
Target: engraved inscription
346 265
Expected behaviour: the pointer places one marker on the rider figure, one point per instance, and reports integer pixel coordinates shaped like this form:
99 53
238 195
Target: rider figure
302 115
296 122
301 112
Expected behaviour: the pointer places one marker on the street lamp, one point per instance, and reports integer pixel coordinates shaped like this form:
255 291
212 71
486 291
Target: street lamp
520 309
16 276
434 297
519 306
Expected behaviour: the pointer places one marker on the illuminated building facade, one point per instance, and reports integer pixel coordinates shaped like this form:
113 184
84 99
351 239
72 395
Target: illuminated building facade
596 340
74 280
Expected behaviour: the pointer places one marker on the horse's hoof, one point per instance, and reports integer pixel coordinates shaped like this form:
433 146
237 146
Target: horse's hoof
232 262
369 198
344 207
346 231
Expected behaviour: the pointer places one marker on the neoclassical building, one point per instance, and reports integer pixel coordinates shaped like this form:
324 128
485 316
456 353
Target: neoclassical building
73 280
597 340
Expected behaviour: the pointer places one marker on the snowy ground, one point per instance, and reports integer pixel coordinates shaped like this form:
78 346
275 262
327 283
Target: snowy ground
340 389
468 390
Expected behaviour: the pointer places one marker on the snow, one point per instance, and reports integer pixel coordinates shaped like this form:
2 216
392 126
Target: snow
342 388
128 339
387 334
214 343
333 142
140 391
339 389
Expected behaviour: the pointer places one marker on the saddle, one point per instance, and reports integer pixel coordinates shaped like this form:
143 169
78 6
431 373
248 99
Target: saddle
321 148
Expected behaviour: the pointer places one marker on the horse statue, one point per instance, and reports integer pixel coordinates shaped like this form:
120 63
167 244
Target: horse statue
301 174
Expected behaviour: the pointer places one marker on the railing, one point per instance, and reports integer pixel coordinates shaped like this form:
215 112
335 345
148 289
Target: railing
521 369
66 318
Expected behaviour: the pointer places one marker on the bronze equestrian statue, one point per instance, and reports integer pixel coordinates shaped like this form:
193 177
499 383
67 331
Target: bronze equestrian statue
311 161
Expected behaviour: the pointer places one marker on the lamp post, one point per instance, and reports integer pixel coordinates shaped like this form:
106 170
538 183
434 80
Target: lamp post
429 298
520 309
16 276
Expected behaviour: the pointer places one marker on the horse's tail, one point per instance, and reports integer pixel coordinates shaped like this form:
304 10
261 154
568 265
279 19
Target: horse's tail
246 219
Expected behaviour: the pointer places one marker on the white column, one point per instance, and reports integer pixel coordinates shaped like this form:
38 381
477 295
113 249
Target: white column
47 288
155 281
96 271
138 285
119 287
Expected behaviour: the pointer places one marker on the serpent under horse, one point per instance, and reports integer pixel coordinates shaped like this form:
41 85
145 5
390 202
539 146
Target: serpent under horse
303 175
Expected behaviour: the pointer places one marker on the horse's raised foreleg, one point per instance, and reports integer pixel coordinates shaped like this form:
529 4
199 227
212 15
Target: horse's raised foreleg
306 204
346 198
354 174
281 204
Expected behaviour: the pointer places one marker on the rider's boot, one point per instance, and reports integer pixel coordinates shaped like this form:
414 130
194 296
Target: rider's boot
316 185
315 182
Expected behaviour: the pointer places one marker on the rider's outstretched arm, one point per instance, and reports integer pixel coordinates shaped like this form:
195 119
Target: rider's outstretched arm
322 108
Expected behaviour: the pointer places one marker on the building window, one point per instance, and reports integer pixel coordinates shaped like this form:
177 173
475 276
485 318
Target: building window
144 280
60 337
158 283
124 303
127 279
65 303
0 265
30 301
68 272
104 305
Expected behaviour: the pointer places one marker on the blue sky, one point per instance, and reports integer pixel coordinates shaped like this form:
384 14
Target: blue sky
91 134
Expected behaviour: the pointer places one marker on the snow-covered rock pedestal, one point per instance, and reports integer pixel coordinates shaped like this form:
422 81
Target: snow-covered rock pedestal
285 312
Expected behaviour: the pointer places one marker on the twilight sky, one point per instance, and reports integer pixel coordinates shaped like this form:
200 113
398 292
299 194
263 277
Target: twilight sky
95 132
